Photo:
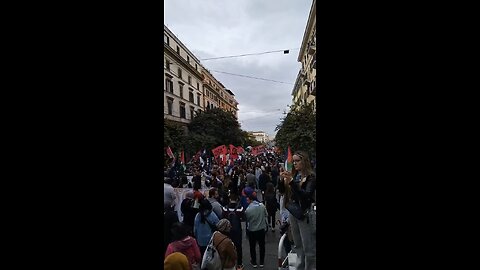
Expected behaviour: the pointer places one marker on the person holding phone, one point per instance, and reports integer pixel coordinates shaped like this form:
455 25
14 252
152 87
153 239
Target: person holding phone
299 189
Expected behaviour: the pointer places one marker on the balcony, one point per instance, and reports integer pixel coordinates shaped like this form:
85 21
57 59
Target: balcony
312 47
312 89
303 74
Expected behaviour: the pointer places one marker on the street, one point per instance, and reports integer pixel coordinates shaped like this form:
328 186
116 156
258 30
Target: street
271 249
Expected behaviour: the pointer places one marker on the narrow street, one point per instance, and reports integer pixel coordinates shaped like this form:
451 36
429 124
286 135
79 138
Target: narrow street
271 249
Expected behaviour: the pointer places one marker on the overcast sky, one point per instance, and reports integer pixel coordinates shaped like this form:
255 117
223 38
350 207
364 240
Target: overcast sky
215 28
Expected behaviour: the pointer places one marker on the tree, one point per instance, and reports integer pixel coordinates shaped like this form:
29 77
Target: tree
211 128
174 135
249 140
298 130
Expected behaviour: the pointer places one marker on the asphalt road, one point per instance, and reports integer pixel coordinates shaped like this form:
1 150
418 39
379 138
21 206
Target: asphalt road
271 249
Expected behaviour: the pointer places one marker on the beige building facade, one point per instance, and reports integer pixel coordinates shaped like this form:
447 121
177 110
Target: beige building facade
260 136
216 95
304 91
183 87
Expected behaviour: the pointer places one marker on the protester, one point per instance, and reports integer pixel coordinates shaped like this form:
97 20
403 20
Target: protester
224 245
188 211
299 187
204 225
176 261
258 172
274 174
197 181
251 178
185 244
169 214
256 215
235 213
263 179
272 204
213 197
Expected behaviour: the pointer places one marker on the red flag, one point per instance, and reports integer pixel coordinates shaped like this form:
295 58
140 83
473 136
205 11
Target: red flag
254 151
225 150
182 158
170 153
233 152
240 149
217 151
197 155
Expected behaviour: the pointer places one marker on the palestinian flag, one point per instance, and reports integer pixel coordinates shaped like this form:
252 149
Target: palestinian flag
182 160
289 161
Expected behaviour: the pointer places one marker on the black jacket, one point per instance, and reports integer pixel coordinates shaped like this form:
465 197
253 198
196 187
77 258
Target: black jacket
262 181
304 194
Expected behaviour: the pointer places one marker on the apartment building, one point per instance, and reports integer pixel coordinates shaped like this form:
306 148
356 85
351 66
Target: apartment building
216 95
260 136
305 87
183 87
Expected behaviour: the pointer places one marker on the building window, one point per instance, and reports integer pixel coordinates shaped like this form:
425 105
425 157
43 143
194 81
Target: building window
169 84
180 85
208 104
198 99
196 66
189 80
182 110
190 96
166 39
178 50
198 86
192 111
168 65
169 104
179 73
188 59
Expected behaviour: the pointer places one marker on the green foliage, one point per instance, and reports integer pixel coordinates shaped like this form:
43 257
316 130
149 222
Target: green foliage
298 130
248 140
174 135
212 128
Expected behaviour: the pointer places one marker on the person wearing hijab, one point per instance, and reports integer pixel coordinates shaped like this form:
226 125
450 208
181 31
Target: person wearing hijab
224 245
176 261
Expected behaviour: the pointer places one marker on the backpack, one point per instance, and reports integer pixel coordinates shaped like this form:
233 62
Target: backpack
234 217
211 258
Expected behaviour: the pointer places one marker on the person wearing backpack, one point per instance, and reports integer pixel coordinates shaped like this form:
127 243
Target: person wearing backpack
235 213
224 245
204 224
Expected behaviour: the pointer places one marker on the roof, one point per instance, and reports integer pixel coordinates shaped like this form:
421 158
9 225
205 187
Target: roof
312 15
165 28
230 92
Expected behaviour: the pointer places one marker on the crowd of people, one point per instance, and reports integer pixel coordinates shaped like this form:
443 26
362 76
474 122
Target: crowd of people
250 189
